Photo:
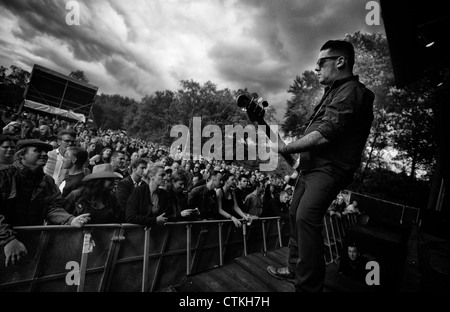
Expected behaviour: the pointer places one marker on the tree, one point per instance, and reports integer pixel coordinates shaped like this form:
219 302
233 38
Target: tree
306 92
109 110
414 136
12 85
79 75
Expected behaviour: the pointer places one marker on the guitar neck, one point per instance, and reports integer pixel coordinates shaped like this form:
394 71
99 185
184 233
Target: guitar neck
270 134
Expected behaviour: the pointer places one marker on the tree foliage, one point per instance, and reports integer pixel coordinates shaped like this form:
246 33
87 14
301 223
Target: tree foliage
12 85
109 110
306 92
79 75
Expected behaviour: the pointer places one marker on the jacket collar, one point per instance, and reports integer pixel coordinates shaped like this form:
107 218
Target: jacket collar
339 82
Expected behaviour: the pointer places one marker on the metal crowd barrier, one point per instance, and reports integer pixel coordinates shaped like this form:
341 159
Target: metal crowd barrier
132 258
334 231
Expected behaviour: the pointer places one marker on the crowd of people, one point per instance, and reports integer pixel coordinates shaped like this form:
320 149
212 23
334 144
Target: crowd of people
106 176
330 152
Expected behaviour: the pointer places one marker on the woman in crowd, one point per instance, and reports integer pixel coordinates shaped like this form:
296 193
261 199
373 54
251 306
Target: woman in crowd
103 158
226 201
96 196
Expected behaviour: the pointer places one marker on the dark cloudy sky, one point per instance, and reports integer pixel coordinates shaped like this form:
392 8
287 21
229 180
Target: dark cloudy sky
136 47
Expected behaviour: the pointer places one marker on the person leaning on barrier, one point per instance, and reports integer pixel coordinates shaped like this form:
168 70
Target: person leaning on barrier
74 162
203 197
337 206
277 207
253 201
149 204
226 202
96 196
352 208
179 198
29 197
126 186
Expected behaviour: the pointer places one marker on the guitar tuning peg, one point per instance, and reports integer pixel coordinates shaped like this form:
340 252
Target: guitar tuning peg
254 95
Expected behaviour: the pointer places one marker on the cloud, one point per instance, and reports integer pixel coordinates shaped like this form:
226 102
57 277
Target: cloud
139 48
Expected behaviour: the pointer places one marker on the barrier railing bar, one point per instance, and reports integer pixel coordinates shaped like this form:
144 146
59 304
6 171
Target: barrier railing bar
188 249
263 228
328 242
197 249
84 257
244 237
112 256
279 232
403 213
43 242
111 259
385 201
47 278
158 262
220 245
119 225
146 260
338 229
334 239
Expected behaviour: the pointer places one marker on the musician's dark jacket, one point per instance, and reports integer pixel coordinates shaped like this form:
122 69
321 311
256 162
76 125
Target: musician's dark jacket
344 117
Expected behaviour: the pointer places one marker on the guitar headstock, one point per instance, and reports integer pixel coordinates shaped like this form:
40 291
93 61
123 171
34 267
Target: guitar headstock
254 106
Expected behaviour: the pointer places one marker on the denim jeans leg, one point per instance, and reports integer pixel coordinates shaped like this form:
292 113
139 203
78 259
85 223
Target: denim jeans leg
318 190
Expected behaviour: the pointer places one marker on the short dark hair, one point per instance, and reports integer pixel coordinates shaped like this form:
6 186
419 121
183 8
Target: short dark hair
80 154
66 132
343 47
255 185
180 175
136 162
242 176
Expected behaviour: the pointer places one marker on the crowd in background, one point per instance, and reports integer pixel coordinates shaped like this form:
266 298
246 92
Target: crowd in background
116 178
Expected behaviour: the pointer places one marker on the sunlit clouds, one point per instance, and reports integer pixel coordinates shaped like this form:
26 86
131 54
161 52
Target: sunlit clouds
136 47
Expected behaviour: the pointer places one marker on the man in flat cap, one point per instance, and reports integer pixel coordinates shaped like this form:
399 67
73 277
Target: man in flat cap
29 197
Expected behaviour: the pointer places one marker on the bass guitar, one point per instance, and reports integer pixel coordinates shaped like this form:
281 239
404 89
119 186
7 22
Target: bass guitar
255 108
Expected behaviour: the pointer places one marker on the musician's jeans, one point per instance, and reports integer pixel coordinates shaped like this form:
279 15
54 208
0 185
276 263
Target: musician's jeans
313 194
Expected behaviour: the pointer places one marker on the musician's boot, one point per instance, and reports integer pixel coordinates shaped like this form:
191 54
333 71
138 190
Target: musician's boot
281 273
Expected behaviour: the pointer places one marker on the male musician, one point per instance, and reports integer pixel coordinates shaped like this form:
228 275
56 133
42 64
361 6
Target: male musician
330 154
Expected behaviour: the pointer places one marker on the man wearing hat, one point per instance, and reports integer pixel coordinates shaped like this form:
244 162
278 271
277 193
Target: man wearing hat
29 197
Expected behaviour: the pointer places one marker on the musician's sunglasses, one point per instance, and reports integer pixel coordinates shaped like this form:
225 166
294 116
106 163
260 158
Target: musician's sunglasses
322 60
